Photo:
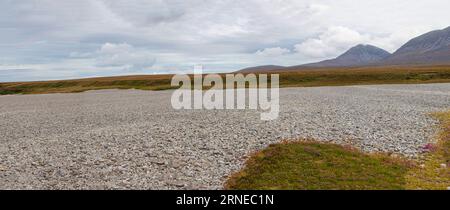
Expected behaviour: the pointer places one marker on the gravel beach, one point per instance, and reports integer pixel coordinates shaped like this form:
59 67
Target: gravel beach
131 139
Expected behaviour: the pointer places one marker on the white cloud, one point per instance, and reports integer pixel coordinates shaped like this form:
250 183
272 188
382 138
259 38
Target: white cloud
318 9
124 56
222 30
330 43
273 52
164 35
111 48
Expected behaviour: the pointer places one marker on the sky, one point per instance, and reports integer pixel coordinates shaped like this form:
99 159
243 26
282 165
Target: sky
53 39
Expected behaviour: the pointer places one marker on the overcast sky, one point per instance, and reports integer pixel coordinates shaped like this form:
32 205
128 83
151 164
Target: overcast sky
54 39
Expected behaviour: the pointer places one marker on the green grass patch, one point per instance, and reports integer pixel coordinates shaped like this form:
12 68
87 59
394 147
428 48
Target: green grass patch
316 166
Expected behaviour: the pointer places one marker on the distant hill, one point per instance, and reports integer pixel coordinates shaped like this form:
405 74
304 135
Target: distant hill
261 69
430 48
360 55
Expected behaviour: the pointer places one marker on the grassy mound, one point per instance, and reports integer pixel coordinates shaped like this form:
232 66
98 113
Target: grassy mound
311 166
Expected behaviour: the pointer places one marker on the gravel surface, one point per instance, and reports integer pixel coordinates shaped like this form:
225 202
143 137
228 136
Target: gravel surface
130 139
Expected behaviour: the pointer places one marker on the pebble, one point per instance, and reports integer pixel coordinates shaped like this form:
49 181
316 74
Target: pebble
98 139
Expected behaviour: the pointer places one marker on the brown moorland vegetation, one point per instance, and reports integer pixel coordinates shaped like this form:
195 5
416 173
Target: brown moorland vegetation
290 78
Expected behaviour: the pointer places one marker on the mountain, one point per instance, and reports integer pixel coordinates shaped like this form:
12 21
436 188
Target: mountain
260 69
430 48
360 55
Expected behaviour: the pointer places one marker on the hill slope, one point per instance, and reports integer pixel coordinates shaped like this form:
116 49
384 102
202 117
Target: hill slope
360 55
261 69
430 48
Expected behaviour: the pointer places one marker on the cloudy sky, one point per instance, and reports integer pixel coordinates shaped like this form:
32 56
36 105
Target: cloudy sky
53 39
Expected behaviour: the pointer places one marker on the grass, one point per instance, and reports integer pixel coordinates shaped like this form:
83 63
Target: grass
365 76
158 82
300 78
434 171
313 166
